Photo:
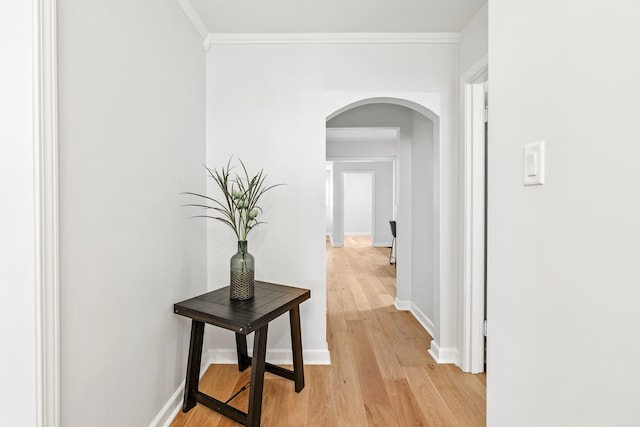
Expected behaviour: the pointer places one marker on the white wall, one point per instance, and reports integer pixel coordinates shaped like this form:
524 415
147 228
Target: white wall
361 149
268 104
132 137
358 203
17 217
563 257
423 292
474 39
329 199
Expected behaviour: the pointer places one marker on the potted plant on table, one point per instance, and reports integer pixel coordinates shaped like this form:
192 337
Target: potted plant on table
239 210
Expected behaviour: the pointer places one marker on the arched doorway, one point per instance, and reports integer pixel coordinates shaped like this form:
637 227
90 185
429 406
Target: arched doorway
414 150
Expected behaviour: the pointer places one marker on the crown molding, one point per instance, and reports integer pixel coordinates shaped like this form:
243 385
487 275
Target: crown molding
332 38
196 20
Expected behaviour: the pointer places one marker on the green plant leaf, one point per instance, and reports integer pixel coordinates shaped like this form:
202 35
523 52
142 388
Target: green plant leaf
235 212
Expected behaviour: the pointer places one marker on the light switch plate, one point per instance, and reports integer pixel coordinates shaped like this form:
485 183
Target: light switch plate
533 166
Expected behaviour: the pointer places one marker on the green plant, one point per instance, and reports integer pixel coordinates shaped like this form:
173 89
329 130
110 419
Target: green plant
239 209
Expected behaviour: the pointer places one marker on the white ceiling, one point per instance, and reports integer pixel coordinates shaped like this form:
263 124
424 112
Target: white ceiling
335 16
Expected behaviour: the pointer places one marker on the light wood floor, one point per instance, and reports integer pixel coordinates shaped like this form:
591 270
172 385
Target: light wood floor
381 373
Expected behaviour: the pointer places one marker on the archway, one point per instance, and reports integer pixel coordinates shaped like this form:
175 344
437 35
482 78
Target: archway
417 189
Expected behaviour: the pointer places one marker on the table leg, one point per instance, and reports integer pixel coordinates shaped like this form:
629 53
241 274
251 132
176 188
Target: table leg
296 345
257 376
243 356
193 365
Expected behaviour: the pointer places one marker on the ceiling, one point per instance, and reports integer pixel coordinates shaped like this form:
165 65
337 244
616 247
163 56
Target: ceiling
335 16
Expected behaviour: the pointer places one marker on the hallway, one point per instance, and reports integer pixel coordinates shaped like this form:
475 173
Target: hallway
381 372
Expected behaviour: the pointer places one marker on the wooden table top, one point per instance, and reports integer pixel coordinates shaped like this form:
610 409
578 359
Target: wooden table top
216 308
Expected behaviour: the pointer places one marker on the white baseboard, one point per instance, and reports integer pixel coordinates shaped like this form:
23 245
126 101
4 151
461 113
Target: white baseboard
277 357
434 350
169 411
402 305
440 355
229 357
444 355
382 244
422 319
333 244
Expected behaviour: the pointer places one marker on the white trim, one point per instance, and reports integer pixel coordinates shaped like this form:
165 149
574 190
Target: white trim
170 409
357 233
423 319
395 100
332 38
476 72
402 305
277 356
165 417
334 245
443 355
440 355
196 20
383 244
46 200
472 345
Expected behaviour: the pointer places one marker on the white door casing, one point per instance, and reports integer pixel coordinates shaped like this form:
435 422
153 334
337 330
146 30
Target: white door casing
473 310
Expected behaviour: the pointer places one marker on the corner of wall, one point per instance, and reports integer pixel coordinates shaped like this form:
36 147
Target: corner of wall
165 417
170 409
445 354
441 355
402 305
423 319
196 20
474 39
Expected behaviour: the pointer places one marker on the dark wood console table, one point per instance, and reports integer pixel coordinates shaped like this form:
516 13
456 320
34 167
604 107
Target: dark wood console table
243 317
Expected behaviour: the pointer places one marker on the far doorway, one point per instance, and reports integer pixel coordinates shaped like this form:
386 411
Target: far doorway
358 203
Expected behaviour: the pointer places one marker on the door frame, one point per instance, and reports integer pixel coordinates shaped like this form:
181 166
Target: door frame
474 226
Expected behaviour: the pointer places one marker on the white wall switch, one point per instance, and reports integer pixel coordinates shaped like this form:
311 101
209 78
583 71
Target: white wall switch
534 163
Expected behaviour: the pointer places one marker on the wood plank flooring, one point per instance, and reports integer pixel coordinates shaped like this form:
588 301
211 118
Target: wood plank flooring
381 372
